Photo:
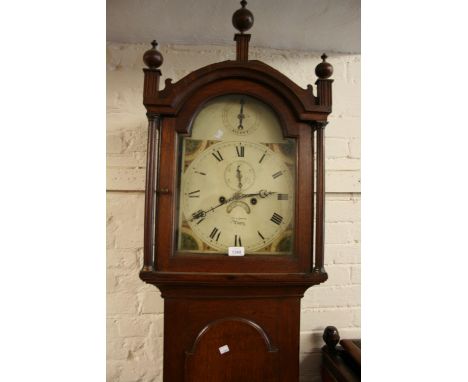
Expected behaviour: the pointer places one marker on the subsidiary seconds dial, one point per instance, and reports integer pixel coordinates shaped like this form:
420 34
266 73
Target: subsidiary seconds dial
238 194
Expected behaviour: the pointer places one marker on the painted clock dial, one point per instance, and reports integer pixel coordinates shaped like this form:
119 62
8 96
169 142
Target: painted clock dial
237 183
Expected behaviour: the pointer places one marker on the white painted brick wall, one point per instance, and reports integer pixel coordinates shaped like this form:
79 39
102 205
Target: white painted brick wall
134 309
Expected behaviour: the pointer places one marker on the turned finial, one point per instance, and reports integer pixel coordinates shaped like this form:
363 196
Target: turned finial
331 337
242 19
324 70
152 57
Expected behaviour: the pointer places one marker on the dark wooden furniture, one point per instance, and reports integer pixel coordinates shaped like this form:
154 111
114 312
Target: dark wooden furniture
250 303
340 363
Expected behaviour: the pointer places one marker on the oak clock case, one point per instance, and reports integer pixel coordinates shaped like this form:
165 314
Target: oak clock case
235 158
237 180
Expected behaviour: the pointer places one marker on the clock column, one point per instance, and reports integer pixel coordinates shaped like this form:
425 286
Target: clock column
324 70
153 59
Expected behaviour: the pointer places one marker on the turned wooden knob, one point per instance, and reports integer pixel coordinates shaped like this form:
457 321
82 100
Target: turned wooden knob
152 57
331 337
324 70
242 19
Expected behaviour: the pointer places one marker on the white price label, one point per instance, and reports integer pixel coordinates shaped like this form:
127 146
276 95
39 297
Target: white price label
223 349
236 251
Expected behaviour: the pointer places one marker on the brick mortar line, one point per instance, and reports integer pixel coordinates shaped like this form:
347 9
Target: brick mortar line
340 285
328 308
325 309
334 287
321 331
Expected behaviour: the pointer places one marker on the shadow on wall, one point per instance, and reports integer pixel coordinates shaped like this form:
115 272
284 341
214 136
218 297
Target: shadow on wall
311 362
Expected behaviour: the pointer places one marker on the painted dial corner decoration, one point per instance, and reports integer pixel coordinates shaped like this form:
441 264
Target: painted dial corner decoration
237 184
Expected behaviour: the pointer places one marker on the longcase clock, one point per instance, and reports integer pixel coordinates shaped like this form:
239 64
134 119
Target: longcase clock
234 213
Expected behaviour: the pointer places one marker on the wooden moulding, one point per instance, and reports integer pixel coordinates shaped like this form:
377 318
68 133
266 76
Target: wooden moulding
203 364
170 100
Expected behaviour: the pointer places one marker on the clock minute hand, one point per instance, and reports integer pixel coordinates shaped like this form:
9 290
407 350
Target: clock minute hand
201 214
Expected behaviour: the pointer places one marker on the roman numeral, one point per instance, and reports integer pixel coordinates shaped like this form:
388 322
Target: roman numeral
276 174
214 232
263 156
259 234
217 155
199 172
198 222
194 194
283 196
277 219
240 151
237 241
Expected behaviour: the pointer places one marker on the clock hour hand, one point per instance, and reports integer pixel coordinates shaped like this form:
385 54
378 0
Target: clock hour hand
261 193
235 201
